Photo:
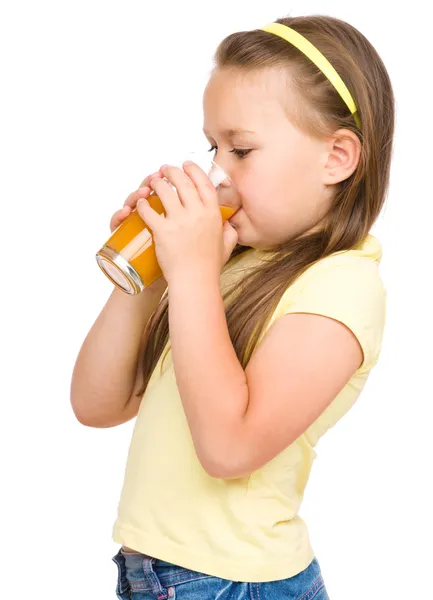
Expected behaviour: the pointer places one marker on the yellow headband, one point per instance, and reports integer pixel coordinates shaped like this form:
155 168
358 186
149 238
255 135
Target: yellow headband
300 42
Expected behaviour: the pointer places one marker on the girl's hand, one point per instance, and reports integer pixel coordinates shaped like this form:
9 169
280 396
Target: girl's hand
131 201
191 238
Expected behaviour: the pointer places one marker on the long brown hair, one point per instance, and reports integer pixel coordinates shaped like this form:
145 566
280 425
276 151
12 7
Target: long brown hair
358 200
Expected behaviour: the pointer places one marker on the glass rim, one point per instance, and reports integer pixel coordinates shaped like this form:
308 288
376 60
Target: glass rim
207 163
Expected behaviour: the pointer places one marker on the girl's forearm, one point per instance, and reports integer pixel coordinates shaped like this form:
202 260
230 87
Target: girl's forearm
210 378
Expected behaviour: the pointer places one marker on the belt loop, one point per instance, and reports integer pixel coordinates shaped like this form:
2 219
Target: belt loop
152 579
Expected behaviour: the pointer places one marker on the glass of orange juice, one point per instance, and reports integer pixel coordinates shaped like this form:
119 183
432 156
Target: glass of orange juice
128 257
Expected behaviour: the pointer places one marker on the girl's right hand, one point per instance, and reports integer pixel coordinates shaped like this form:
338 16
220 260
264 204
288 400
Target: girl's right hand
130 203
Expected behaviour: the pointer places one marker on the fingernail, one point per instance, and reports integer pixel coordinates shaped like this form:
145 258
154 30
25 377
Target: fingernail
188 162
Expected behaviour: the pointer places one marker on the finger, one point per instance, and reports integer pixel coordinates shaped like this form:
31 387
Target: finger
168 196
128 206
202 183
146 181
152 219
230 239
142 192
117 219
186 190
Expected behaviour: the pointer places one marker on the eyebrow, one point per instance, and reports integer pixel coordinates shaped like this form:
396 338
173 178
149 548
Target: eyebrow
231 133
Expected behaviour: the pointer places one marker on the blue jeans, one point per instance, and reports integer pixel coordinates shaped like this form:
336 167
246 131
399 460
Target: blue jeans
141 577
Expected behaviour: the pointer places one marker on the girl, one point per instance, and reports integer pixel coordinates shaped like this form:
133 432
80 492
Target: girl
262 332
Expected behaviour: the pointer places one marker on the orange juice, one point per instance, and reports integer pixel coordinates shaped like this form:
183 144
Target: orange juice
128 258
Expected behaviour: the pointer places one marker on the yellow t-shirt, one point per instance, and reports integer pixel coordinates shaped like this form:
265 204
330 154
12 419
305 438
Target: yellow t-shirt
246 529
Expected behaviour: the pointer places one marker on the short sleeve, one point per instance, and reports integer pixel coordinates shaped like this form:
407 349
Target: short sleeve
348 289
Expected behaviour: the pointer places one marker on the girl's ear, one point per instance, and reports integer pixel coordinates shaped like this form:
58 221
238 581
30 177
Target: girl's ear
343 151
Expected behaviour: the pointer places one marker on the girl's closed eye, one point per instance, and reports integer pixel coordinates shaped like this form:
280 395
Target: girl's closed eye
240 152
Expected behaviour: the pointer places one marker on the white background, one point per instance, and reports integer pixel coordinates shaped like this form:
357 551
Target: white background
94 96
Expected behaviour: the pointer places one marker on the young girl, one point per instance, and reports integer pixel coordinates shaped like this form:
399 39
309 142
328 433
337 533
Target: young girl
262 332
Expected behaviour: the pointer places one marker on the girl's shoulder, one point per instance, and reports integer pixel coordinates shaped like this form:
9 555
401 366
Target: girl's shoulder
370 249
347 287
356 268
361 261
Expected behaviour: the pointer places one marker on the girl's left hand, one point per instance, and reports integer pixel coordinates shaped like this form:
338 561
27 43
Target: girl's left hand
191 238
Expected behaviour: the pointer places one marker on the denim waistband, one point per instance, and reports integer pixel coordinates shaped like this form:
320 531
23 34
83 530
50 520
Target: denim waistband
165 581
148 574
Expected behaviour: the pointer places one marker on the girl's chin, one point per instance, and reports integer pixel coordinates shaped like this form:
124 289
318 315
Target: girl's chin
242 227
